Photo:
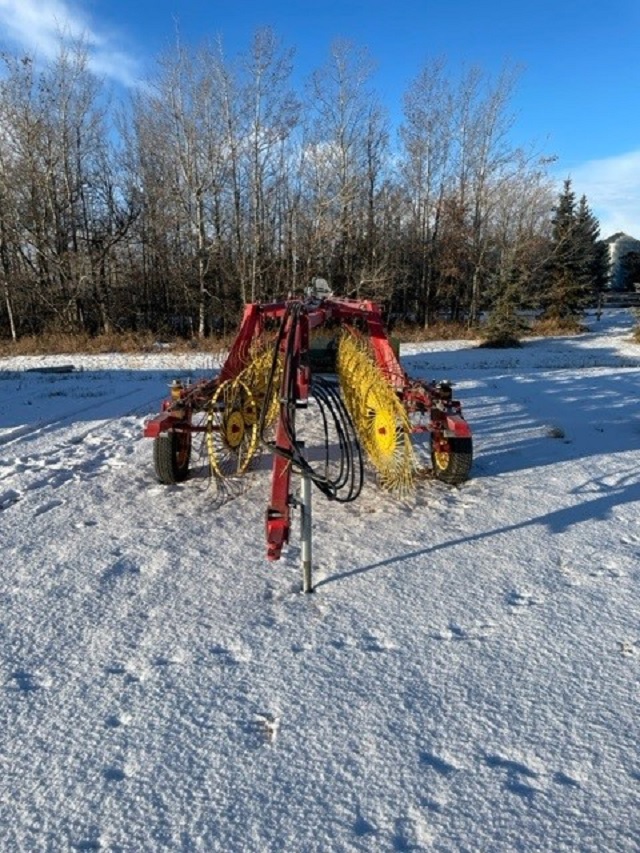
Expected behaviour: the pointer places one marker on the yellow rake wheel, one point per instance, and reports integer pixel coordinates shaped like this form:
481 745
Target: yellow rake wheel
232 429
378 415
256 377
387 436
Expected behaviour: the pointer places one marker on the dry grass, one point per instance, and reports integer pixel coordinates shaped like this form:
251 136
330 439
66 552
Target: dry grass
440 331
553 328
59 343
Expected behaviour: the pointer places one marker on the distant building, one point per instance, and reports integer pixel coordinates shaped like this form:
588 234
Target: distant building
620 245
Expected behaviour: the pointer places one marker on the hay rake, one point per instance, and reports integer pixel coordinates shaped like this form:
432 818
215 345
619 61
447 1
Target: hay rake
273 370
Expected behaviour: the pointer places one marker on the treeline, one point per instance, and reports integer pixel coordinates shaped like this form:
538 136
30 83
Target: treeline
218 184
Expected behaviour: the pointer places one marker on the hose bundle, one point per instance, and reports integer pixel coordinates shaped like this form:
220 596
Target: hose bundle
339 478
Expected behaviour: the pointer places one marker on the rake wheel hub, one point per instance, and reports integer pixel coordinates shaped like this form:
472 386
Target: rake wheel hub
234 429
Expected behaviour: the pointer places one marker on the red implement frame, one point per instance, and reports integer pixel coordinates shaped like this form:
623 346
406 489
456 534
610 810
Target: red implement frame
429 405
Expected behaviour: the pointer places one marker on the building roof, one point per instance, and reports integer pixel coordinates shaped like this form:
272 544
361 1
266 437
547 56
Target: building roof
620 235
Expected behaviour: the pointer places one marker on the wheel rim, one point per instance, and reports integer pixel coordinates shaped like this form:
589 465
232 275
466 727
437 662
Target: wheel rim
232 429
441 459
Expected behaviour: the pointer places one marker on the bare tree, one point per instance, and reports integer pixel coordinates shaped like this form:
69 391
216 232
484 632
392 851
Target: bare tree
457 163
347 137
427 135
54 146
180 136
272 113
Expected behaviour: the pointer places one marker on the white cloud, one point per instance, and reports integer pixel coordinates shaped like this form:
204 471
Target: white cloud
38 25
612 188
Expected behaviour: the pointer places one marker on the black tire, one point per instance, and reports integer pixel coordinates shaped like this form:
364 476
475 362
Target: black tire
171 455
453 466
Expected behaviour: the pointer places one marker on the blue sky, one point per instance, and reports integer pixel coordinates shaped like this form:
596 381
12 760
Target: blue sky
578 95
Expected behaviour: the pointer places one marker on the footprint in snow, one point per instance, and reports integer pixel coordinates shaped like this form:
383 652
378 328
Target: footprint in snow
223 656
263 729
53 481
53 462
628 648
410 834
123 567
566 781
269 724
362 827
116 721
87 844
520 599
114 774
519 778
23 681
433 762
48 507
129 677
630 539
8 498
606 572
232 654
454 632
371 643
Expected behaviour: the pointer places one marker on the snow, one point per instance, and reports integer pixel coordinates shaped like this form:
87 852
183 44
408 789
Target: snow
464 678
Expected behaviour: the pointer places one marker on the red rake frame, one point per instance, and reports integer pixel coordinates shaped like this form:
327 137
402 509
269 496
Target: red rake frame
430 406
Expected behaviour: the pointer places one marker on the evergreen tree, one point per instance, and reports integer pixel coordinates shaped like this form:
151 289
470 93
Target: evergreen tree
577 267
595 259
504 326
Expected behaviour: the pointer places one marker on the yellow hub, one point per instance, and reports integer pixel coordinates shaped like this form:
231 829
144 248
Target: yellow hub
383 433
234 429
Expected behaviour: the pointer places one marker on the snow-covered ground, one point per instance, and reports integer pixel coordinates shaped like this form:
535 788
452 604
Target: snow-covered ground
466 676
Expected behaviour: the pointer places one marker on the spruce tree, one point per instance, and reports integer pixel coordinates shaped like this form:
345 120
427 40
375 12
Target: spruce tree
576 270
504 327
595 257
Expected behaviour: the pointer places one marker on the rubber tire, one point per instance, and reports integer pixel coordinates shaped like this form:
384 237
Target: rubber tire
171 456
458 464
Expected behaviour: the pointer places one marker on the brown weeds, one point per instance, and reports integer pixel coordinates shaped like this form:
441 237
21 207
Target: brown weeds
61 343
551 328
440 331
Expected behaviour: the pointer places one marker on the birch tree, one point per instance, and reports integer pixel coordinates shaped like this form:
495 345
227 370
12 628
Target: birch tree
345 115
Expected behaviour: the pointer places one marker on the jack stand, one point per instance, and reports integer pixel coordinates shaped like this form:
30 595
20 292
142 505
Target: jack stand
305 532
